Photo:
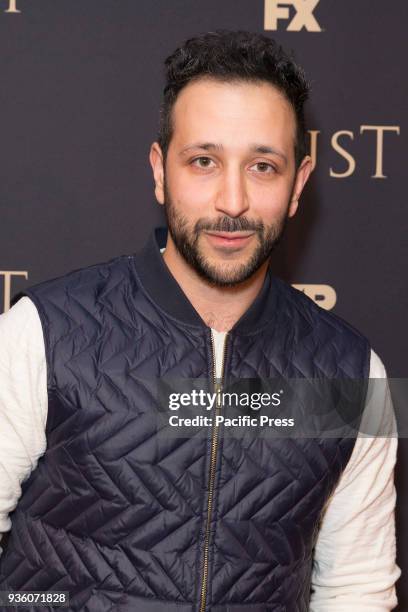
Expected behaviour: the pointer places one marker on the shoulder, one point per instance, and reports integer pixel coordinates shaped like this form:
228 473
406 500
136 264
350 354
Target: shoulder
22 355
314 314
72 308
377 367
336 346
20 324
67 302
83 282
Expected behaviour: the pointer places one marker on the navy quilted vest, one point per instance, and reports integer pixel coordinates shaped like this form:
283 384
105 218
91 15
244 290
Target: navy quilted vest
128 521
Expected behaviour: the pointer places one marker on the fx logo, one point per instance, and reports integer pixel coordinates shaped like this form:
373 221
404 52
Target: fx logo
12 7
303 18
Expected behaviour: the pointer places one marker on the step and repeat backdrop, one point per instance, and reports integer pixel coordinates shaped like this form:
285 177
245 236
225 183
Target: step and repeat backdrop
81 83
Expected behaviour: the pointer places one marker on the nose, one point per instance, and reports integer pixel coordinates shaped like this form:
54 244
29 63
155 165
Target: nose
232 198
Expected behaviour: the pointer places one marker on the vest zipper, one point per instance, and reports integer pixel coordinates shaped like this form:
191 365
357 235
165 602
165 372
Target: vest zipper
213 461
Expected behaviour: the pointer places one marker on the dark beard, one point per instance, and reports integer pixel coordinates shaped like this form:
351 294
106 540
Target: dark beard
187 247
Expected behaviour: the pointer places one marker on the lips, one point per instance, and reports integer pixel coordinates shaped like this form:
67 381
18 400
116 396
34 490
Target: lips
229 239
231 235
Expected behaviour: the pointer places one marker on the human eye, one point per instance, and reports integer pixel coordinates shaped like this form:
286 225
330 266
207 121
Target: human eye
202 162
264 168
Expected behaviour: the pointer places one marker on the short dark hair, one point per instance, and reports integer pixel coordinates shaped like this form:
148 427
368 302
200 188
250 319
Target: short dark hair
230 56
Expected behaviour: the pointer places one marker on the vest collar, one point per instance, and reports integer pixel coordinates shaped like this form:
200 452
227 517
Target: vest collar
163 289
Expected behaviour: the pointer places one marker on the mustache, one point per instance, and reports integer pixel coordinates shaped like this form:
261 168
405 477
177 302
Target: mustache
227 224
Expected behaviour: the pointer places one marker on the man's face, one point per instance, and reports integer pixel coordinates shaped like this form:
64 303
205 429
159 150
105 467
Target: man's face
229 181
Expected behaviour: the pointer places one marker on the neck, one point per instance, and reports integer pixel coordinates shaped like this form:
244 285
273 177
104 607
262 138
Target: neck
219 307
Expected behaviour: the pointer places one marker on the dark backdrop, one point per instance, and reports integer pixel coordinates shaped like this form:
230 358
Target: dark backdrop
80 91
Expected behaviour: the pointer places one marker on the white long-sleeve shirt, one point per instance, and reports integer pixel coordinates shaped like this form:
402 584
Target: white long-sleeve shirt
354 563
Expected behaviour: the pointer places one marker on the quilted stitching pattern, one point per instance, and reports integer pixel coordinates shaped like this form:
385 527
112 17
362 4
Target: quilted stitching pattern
114 513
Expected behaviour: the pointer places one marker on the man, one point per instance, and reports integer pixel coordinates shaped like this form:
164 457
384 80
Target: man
127 520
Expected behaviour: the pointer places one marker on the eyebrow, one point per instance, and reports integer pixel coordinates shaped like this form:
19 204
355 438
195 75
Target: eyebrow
254 148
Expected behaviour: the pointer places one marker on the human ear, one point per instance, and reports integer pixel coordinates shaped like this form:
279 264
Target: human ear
157 163
302 176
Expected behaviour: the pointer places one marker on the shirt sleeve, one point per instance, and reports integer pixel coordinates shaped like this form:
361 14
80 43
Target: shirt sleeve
355 554
23 402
